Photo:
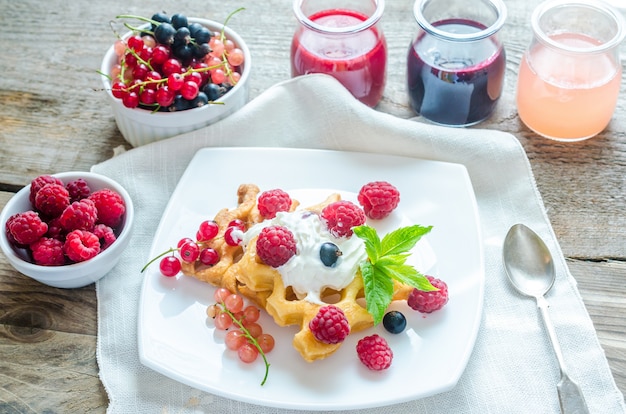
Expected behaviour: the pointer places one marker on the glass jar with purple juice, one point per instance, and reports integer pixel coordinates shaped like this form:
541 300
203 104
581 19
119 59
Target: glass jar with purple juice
456 64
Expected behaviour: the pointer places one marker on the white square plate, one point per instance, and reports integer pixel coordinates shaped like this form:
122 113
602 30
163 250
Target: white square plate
176 339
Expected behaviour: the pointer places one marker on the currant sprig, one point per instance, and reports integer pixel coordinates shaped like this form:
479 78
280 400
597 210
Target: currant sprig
251 339
191 250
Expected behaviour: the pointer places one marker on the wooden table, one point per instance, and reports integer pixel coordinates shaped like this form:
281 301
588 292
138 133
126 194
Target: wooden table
55 118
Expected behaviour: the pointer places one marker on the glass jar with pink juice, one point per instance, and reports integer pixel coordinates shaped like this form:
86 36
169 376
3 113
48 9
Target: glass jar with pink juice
342 38
456 63
569 77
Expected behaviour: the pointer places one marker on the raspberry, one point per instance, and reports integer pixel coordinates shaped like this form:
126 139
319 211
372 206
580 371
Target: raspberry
272 201
51 200
37 183
26 228
55 229
378 199
80 215
330 325
78 189
341 216
105 234
427 302
81 245
48 252
374 352
275 245
110 206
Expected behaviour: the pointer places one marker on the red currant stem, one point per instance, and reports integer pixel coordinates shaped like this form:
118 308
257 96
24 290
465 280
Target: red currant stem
250 338
105 75
229 71
138 29
170 250
141 18
142 84
227 20
139 59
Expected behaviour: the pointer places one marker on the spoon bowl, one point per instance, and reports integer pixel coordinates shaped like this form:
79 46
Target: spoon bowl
530 269
528 262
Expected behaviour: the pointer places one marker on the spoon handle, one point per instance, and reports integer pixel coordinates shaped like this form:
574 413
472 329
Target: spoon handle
571 397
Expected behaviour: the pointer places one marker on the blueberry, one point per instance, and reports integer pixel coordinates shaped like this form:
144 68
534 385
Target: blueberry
394 322
329 253
194 28
199 100
212 91
183 52
164 33
182 36
179 20
202 35
201 50
160 18
180 104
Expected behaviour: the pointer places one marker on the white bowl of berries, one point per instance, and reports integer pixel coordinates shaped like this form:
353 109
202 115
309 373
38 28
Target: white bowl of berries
67 230
171 74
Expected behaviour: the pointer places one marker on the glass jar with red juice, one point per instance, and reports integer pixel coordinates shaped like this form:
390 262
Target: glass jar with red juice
342 38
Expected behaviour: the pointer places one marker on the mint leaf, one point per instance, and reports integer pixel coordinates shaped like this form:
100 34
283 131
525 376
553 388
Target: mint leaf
386 263
371 240
408 275
403 239
378 289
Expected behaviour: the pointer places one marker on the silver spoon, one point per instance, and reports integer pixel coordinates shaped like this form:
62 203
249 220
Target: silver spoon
530 269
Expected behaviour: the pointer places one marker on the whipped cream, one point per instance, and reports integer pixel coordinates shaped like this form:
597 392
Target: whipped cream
305 272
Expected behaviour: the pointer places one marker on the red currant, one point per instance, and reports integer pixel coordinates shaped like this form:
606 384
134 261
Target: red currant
233 236
170 266
147 97
118 89
235 339
189 252
248 353
254 329
223 321
175 81
135 43
194 77
130 60
251 314
235 57
140 71
238 223
189 90
130 99
221 294
218 76
160 54
212 311
208 230
171 66
266 342
234 303
165 97
152 79
209 256
145 54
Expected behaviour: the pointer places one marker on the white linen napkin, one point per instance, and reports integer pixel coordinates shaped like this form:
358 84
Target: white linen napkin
512 368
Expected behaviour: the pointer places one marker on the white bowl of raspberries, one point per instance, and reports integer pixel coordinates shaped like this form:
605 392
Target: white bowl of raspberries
67 230
172 74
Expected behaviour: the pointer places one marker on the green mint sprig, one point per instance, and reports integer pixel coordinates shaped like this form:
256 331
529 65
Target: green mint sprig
387 262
